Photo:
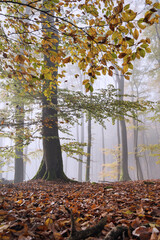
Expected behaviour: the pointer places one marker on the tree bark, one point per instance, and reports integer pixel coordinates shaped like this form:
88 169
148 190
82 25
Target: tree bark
80 163
124 171
124 174
103 154
51 167
88 164
138 165
19 172
89 149
136 132
19 142
80 169
119 149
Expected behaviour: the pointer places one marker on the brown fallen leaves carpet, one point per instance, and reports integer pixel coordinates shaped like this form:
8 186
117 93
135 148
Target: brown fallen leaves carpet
37 210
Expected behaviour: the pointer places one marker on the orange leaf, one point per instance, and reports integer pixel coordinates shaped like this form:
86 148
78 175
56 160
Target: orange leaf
67 60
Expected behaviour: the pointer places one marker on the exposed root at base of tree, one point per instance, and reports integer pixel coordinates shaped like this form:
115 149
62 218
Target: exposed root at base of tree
116 232
78 235
44 174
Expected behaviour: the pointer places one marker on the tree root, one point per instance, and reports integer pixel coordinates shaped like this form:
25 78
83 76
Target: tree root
78 235
117 232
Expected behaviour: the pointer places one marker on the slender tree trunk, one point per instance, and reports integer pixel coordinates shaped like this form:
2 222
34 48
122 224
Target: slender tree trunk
19 115
88 164
51 167
124 174
80 163
66 164
119 155
145 155
1 161
18 174
103 154
138 165
135 137
25 162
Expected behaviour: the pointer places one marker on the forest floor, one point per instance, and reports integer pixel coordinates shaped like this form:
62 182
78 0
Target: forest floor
38 210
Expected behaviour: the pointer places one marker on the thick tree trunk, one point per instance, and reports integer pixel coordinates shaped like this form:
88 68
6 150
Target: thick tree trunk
51 167
51 143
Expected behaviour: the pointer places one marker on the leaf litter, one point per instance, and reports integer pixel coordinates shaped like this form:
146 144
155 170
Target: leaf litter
38 209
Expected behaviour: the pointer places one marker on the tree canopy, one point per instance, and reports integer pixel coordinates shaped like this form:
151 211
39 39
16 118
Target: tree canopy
99 35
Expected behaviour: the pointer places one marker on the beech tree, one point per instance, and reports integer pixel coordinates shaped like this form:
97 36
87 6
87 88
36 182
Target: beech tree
108 37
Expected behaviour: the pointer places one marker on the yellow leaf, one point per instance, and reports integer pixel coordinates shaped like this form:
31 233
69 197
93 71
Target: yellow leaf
107 56
85 81
148 50
136 34
92 32
57 236
91 22
115 35
104 71
126 77
156 5
109 32
20 59
138 55
19 201
129 15
126 7
48 221
48 76
130 65
123 29
25 52
140 25
130 25
148 2
30 69
103 48
125 68
133 56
